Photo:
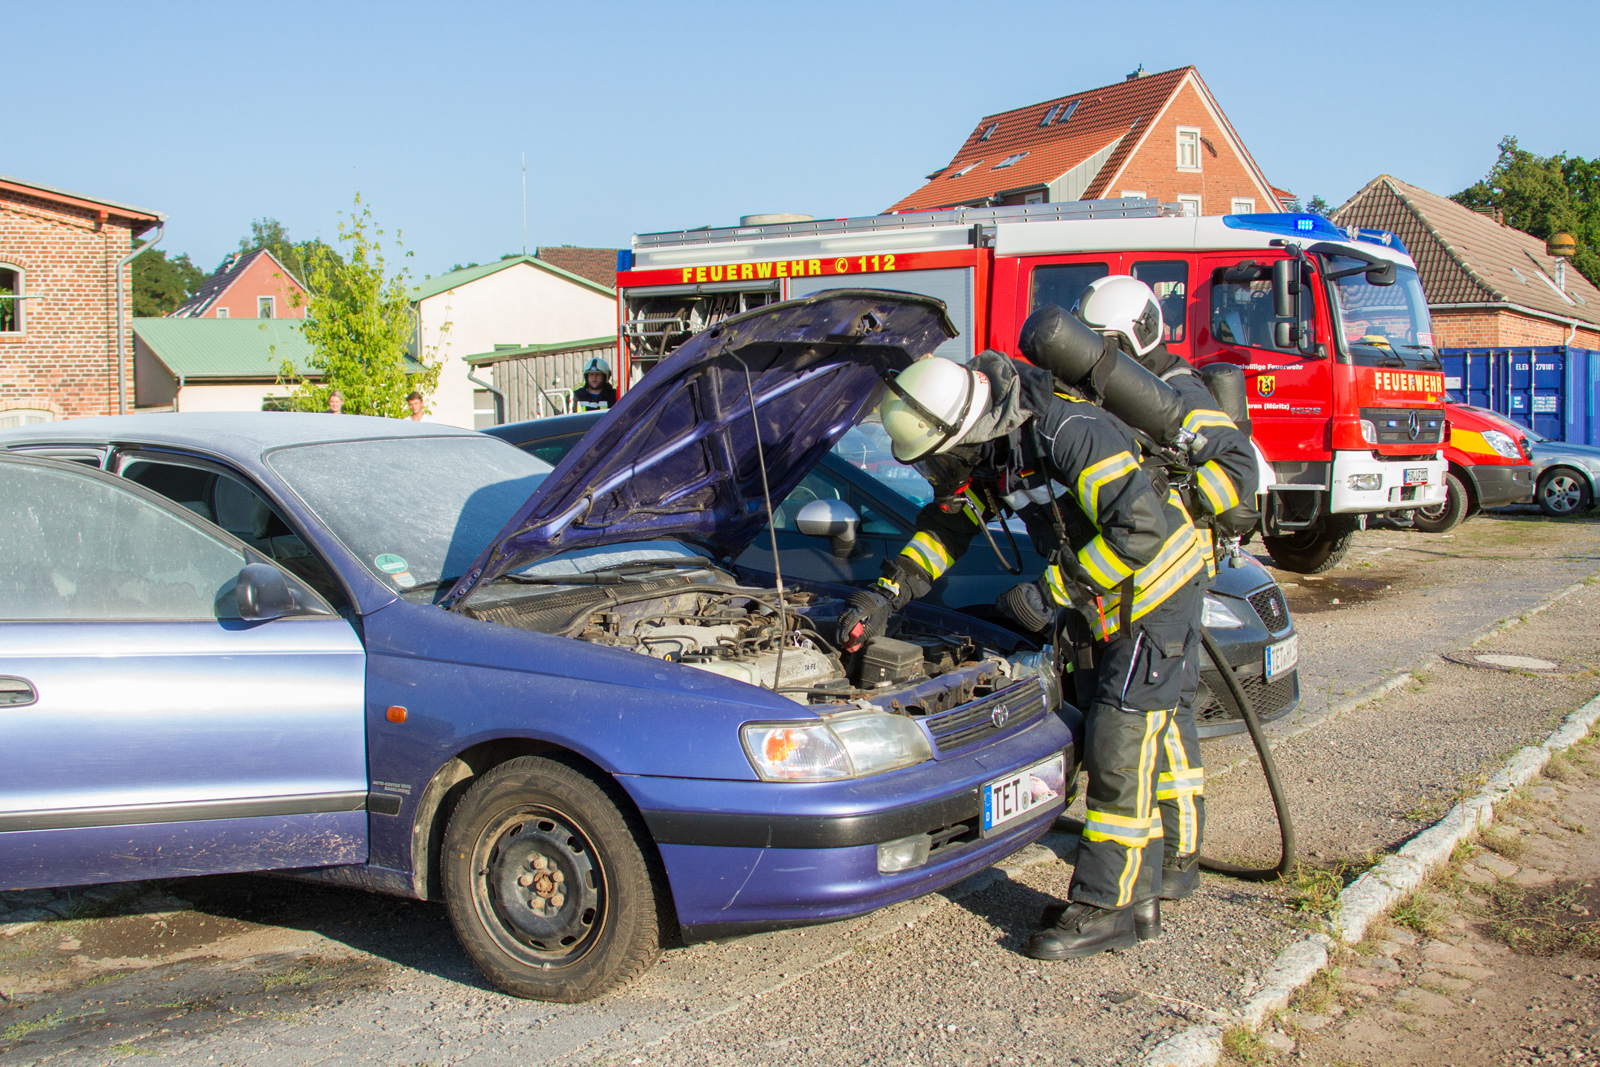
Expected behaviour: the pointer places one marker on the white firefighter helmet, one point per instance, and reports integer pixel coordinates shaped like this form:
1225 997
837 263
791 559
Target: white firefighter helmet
1123 305
597 365
931 405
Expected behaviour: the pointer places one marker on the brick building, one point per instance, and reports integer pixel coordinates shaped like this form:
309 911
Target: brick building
249 285
1488 285
1157 135
58 302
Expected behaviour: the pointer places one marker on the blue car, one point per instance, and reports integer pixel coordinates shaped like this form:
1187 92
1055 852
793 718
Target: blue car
414 660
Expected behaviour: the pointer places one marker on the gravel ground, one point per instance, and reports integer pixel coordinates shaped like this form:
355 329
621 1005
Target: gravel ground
263 971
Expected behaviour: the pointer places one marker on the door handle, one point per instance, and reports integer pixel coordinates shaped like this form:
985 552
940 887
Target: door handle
16 692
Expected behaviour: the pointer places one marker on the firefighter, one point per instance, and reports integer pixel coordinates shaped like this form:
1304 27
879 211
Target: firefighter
597 394
1220 494
1128 558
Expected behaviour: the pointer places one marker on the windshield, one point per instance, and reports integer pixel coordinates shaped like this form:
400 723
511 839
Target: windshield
1382 325
416 509
866 447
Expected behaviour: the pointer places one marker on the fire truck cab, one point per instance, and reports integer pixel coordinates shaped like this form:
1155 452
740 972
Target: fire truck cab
1329 325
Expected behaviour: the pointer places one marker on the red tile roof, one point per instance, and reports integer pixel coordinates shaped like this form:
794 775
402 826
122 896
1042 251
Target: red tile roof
599 265
1123 110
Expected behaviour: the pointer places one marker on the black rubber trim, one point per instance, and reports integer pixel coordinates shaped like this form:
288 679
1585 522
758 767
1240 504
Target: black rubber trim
1498 483
731 830
198 811
384 803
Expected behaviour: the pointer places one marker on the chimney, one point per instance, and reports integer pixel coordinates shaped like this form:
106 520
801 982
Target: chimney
1136 75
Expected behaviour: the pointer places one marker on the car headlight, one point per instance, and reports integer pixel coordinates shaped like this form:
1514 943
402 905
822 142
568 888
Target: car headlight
1369 432
852 744
1501 443
1218 616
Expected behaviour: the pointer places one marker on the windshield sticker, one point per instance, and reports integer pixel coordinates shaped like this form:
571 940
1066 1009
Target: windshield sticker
404 580
389 563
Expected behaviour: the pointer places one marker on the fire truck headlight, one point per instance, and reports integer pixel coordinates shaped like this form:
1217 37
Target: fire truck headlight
1366 481
1369 432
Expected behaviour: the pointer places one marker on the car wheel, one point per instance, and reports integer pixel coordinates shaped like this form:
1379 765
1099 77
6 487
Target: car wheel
1562 492
1438 518
549 886
1313 551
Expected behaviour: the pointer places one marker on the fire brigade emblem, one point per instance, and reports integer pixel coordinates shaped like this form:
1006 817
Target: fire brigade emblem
1266 384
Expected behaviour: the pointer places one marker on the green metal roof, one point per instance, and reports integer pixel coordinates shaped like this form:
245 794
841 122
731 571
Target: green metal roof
229 348
500 354
457 278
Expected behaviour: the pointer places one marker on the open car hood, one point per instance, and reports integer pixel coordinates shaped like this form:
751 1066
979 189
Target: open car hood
677 456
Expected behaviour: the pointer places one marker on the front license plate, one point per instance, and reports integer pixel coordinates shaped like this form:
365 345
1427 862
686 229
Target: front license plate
1008 799
1283 656
1416 475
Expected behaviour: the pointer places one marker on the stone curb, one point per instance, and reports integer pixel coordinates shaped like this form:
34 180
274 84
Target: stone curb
1372 895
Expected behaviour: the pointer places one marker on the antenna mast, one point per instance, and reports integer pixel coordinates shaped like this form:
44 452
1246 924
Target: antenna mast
524 203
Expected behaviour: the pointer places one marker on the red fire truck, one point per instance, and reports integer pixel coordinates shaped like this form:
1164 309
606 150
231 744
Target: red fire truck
1330 325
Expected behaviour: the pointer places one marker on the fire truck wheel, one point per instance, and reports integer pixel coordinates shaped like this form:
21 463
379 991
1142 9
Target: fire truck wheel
1562 492
1315 550
1439 518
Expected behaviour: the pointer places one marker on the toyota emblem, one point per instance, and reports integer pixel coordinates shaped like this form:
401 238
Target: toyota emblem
1414 427
999 716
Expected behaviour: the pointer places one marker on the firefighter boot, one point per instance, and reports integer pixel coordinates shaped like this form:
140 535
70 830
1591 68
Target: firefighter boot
1180 877
1084 930
1146 918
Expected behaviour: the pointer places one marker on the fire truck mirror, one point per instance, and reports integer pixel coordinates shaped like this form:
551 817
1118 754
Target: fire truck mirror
1381 274
1285 293
1286 335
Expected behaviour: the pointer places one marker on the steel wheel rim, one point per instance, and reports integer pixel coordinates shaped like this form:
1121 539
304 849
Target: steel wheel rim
555 919
1562 493
1433 512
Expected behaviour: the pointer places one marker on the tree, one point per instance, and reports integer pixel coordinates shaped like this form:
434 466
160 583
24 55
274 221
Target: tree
273 235
160 284
1544 195
1319 206
359 324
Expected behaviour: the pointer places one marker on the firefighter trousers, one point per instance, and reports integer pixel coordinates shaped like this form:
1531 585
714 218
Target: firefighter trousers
1142 759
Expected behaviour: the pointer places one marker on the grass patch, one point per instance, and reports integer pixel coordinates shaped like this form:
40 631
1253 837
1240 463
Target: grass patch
1315 890
1241 1045
1418 912
1563 769
1511 847
126 1049
1546 922
292 978
18 1031
1319 994
1519 804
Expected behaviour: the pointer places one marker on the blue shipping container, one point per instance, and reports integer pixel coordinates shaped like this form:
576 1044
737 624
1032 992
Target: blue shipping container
1550 388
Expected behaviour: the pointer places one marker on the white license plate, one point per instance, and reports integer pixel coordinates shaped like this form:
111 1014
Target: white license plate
1416 475
1005 800
1282 656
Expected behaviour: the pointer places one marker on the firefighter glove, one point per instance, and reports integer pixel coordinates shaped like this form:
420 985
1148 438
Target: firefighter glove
1029 605
865 616
1236 521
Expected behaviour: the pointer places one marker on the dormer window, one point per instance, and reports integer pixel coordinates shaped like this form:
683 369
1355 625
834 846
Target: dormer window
1050 116
988 131
1066 112
965 169
1009 160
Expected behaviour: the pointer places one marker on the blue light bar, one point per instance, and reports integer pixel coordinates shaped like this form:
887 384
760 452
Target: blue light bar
1312 227
624 259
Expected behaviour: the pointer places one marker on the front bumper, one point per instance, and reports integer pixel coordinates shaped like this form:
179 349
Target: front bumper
1390 493
742 857
1501 484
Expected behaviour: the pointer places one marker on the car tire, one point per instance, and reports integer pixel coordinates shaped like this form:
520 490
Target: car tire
1562 492
1313 551
1440 518
550 883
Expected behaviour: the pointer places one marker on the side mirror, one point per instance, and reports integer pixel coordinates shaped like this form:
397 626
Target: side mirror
262 594
1286 290
833 519
1286 335
1382 274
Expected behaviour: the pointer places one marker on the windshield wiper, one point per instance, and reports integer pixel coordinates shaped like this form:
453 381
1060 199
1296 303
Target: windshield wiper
652 564
615 574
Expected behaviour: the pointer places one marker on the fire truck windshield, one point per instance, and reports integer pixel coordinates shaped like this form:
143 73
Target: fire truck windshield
1382 325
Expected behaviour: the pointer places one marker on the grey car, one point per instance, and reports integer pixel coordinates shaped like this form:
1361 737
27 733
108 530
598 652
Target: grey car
1566 476
1245 610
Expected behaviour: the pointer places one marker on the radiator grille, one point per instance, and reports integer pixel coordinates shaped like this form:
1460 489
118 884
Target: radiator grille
1269 604
1214 705
982 719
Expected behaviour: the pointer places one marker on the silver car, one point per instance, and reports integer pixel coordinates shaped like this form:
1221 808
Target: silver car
1566 476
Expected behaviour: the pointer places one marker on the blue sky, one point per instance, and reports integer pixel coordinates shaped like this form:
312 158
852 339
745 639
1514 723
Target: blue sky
654 116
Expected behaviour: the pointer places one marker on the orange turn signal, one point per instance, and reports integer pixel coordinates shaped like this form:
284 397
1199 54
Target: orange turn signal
396 714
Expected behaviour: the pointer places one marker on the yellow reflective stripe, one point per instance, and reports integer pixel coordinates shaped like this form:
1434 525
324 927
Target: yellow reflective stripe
1103 563
1057 585
1200 418
975 513
1127 822
1132 841
889 585
1096 476
1216 487
1177 562
928 553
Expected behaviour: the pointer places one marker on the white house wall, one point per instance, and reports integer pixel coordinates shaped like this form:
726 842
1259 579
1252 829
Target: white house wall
521 305
246 397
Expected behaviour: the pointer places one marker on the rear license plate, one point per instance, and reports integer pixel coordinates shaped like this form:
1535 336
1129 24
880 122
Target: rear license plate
1416 475
1008 799
1282 657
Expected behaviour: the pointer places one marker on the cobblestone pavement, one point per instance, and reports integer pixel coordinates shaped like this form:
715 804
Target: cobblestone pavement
250 969
1496 963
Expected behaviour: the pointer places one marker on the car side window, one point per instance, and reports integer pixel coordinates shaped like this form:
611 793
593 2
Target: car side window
1241 307
81 548
239 509
874 520
552 450
1169 280
812 487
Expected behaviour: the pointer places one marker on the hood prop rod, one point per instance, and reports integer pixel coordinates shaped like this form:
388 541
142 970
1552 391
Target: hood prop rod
772 531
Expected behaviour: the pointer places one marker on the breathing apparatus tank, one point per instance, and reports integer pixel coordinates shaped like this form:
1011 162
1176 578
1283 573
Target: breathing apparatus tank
1226 383
1054 340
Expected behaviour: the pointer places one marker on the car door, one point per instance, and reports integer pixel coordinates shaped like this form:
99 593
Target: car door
146 731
